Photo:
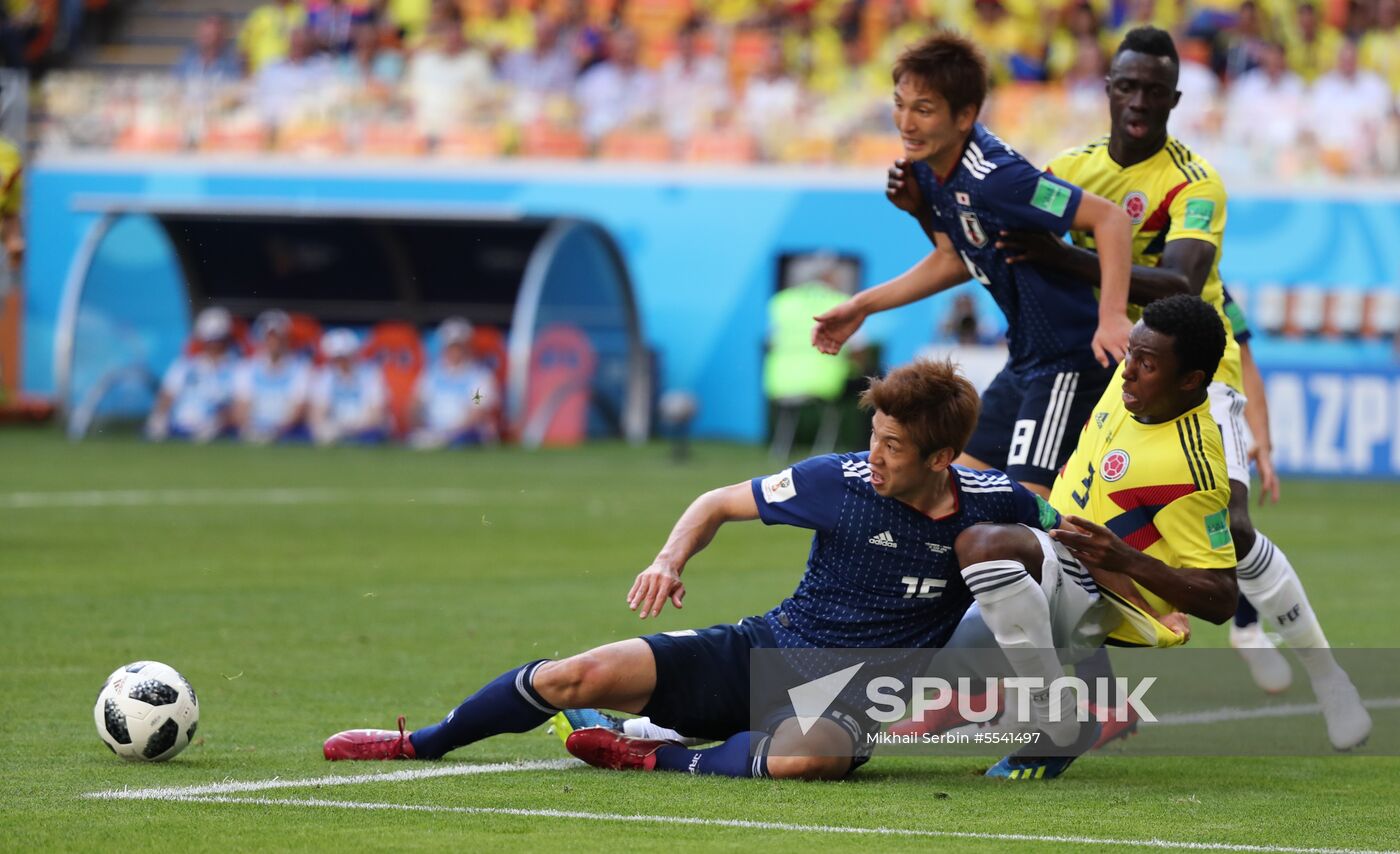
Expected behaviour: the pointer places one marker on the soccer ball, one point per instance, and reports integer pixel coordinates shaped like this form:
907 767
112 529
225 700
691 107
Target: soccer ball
146 711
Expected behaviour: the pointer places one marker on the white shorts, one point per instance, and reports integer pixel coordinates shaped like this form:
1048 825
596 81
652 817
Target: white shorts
1227 408
1080 618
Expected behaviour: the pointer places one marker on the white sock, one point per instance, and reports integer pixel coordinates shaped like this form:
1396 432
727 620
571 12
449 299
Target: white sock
1015 609
1269 581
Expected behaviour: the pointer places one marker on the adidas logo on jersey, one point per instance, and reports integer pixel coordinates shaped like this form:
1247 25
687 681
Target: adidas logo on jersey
884 539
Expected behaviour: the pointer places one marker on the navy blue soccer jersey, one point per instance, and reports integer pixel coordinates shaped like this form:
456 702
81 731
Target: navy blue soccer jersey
880 573
1051 317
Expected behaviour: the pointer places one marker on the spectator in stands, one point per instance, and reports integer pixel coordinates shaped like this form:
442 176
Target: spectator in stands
19 23
372 68
618 91
1380 47
544 70
1014 51
502 30
1348 108
446 78
211 60
1266 105
266 36
1312 44
269 389
1195 113
332 23
196 394
694 85
286 87
456 398
1244 41
347 400
1066 44
409 17
772 101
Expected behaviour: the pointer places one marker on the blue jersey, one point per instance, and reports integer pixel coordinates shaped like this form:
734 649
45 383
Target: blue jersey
880 573
1051 317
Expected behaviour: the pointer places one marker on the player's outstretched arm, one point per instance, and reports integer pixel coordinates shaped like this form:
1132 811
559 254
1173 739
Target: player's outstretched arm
1043 249
1256 414
1206 593
1192 258
938 271
1113 235
692 532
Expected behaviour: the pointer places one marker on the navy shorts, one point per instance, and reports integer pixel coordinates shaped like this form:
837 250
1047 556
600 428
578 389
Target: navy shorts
703 687
1029 426
702 678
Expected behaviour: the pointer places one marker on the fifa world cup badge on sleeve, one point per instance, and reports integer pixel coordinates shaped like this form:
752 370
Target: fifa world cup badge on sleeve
1050 197
779 487
1218 529
1199 213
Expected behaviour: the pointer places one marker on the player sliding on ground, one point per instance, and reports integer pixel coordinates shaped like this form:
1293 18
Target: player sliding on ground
1177 203
968 186
873 514
1144 502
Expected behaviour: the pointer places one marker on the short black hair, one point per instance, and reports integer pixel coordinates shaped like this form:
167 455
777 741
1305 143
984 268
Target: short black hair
1198 334
1151 41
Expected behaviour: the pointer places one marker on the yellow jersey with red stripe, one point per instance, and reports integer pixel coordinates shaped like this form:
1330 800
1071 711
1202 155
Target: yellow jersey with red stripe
1161 488
1173 194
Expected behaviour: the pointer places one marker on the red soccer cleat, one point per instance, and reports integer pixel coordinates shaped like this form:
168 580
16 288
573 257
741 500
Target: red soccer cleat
605 748
361 744
1115 725
944 719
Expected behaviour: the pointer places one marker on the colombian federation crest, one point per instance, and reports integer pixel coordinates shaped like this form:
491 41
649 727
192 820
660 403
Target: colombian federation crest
972 229
1135 204
1114 465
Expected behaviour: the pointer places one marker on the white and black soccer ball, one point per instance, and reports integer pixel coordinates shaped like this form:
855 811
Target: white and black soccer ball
146 711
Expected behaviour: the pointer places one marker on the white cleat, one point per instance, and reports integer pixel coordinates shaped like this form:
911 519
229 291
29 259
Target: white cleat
1348 722
1266 664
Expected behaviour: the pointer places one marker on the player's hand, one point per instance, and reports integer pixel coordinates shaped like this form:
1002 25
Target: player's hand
654 585
1094 545
901 188
1263 459
1030 247
1179 623
1111 339
836 326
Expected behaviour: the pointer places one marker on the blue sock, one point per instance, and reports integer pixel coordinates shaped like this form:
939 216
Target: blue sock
733 758
508 703
1245 613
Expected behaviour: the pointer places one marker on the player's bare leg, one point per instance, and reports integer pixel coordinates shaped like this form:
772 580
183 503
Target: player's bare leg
1269 581
618 676
823 753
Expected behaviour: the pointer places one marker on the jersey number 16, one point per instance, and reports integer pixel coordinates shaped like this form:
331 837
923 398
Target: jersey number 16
923 588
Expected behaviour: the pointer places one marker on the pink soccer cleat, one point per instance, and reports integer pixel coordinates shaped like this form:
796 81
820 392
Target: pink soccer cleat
366 744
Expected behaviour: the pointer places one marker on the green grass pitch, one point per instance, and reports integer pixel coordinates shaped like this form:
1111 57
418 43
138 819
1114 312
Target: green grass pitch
386 581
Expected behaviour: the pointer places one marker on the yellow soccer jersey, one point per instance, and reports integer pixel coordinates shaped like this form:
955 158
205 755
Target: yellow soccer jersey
1161 488
1169 196
11 180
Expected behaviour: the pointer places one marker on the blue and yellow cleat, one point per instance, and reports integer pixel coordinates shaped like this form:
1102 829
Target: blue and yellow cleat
1022 766
564 723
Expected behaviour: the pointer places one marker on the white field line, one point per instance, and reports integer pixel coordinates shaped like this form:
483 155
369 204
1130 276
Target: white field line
1288 710
671 821
165 793
282 495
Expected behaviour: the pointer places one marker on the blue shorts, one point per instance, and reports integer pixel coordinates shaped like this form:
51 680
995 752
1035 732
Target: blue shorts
1029 426
702 678
703 687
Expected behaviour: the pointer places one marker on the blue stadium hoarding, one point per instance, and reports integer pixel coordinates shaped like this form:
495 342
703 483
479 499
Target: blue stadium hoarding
702 246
